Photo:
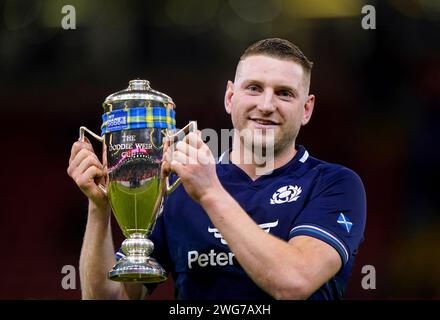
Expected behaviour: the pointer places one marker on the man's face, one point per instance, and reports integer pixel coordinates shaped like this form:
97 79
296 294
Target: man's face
269 94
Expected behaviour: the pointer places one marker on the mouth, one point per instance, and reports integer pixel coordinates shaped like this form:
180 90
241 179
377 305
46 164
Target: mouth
264 122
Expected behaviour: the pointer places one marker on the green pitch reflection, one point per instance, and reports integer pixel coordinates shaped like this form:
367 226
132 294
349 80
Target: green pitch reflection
134 207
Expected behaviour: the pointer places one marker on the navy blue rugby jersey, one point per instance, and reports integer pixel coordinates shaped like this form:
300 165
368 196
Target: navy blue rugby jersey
306 196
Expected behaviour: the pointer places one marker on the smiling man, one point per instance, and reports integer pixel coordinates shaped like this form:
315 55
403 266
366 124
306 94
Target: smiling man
229 232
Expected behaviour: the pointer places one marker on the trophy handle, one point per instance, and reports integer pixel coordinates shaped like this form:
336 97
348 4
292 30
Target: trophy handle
82 131
178 136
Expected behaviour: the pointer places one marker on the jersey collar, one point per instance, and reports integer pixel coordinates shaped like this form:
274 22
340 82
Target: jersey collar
236 175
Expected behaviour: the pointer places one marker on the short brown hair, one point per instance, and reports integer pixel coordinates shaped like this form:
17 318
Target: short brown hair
279 48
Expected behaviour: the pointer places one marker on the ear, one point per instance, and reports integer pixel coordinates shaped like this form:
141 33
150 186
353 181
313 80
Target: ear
308 109
228 96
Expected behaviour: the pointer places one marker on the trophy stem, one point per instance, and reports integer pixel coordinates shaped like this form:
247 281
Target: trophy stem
137 265
137 244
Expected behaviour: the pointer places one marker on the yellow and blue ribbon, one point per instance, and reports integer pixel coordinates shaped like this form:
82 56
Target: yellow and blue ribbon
138 118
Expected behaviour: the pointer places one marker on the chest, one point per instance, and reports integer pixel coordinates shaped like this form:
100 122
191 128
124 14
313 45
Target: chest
196 243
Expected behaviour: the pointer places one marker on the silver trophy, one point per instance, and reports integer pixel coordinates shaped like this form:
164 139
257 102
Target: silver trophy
137 123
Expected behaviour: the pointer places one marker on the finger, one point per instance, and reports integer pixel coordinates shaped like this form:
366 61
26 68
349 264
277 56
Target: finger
87 180
88 162
77 147
165 169
191 152
166 144
88 145
167 155
79 157
205 156
180 157
177 167
194 139
86 140
82 154
185 147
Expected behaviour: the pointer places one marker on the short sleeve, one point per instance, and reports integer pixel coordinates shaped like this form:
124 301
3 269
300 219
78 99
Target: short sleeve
335 212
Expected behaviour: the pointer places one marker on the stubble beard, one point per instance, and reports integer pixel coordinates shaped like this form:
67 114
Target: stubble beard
272 144
260 147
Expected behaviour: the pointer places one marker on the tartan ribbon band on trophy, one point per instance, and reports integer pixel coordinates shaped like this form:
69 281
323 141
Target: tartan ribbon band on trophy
138 118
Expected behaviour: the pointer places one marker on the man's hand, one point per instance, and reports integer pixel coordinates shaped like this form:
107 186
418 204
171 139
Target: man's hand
195 165
86 170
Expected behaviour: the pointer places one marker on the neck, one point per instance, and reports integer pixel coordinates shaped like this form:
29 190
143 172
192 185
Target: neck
255 165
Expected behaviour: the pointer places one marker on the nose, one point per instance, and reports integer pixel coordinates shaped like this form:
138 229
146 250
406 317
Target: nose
267 103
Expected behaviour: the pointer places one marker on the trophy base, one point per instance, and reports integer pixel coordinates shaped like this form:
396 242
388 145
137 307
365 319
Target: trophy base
137 269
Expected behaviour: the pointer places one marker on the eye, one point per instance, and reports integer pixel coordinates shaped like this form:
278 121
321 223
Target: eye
286 94
253 88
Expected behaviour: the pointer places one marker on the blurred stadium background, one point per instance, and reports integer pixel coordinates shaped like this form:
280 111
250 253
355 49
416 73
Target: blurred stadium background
377 111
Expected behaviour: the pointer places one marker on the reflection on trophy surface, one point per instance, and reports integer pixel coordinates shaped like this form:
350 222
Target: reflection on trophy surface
136 123
134 181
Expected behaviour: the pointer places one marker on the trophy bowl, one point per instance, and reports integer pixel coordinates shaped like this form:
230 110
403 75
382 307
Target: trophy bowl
137 122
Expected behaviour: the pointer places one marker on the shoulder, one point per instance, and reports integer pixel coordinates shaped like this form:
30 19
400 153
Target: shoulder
335 176
337 172
328 171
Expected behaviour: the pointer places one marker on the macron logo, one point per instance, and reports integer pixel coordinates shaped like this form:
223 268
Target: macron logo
265 226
